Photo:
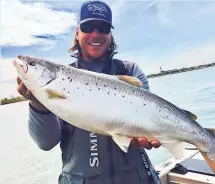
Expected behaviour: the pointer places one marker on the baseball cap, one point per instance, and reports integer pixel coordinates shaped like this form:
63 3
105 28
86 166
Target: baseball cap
95 10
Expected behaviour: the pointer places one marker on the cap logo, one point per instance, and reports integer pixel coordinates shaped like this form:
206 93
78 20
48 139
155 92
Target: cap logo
97 9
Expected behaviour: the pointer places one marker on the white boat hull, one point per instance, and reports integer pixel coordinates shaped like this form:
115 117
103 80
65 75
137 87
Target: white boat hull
191 176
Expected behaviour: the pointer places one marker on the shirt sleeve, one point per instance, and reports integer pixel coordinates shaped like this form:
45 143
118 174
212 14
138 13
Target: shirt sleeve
44 129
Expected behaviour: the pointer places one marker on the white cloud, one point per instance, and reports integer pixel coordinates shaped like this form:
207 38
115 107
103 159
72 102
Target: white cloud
20 21
7 70
7 78
198 55
116 8
163 12
203 54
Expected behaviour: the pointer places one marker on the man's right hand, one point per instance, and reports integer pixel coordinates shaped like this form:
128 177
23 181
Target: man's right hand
22 89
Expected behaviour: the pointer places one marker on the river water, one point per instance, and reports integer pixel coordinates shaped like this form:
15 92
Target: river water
22 162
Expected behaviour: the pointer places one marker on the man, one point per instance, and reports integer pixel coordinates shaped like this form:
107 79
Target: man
89 158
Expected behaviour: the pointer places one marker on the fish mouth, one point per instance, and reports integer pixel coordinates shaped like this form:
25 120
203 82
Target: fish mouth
21 64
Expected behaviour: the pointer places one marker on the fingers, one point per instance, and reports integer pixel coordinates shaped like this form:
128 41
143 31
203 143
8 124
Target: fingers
21 88
144 143
18 80
155 144
29 95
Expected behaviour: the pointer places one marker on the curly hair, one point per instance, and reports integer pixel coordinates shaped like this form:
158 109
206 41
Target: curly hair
76 50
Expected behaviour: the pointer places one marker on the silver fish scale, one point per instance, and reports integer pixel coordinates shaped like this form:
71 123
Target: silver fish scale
166 116
167 110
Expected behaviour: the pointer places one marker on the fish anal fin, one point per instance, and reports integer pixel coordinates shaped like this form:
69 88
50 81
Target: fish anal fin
122 141
193 116
210 159
180 149
53 94
131 80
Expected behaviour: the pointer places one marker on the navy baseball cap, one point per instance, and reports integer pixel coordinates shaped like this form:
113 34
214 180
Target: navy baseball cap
95 10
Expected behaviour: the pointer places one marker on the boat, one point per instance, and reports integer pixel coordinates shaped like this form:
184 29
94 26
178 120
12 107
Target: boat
190 170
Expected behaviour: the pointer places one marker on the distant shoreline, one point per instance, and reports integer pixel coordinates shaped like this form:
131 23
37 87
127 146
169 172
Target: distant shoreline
6 101
175 71
162 73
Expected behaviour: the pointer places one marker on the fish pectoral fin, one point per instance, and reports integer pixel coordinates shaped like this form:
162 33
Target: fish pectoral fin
193 116
180 150
53 94
131 80
122 141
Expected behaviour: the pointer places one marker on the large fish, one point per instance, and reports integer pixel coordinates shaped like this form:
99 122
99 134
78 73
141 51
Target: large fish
114 106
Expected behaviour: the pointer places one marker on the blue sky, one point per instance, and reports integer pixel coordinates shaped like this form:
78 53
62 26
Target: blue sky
170 34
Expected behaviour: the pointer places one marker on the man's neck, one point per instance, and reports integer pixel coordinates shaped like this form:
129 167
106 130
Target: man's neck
94 60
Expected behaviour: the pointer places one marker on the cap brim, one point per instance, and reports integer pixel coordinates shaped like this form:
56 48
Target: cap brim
89 19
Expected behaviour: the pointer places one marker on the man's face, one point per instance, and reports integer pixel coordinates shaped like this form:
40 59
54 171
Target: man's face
94 45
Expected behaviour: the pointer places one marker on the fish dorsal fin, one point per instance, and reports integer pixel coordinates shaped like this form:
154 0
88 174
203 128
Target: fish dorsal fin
131 80
211 130
53 94
193 116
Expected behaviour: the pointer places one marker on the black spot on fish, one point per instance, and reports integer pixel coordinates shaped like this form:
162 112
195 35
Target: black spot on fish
90 89
87 83
131 102
144 104
68 91
108 92
63 79
123 96
96 84
64 89
115 88
104 85
68 77
71 80
98 88
114 94
35 68
78 87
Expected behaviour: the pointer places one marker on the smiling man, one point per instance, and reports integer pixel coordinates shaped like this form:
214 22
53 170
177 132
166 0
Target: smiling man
89 158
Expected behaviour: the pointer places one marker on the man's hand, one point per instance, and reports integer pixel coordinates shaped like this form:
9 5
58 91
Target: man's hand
22 89
142 142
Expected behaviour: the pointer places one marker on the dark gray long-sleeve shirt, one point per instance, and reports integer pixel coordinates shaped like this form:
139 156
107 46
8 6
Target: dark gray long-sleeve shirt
45 129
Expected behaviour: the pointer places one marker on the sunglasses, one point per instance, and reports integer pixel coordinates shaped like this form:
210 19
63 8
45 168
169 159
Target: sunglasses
102 28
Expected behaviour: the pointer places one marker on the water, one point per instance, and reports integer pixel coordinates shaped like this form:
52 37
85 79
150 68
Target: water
22 162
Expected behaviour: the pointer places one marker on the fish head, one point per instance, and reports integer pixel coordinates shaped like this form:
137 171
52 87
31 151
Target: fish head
35 71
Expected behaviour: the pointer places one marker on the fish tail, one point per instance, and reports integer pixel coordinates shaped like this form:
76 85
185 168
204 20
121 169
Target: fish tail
210 156
210 159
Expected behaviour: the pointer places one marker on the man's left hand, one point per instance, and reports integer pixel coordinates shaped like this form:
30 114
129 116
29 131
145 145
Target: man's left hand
142 142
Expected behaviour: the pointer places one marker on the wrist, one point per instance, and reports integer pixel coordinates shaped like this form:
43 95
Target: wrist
38 107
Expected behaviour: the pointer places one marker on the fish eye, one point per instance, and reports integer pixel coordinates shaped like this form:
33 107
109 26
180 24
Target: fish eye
32 63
